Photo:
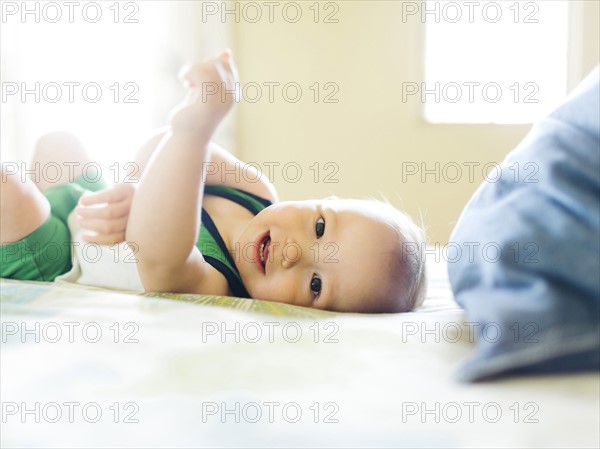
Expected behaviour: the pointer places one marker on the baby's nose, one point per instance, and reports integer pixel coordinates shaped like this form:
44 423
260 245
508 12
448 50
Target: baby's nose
291 253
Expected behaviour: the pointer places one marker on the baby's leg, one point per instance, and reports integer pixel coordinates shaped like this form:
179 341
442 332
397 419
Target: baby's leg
67 155
23 208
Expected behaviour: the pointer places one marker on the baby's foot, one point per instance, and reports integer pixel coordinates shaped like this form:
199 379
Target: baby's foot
212 92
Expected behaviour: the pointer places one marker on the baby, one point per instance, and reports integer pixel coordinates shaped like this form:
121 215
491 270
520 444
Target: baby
343 255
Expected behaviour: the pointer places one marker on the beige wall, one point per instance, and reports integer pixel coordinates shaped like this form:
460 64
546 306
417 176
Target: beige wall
369 133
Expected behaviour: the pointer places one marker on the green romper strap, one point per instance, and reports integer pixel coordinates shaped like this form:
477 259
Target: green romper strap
211 244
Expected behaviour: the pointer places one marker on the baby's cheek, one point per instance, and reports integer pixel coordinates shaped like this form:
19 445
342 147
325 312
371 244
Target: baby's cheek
258 289
277 289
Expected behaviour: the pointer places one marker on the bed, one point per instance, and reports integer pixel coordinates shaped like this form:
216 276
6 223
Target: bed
117 369
91 367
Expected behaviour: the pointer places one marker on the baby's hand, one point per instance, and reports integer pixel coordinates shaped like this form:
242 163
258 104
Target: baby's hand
106 214
212 92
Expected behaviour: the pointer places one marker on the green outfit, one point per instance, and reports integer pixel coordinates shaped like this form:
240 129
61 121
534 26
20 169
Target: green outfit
211 244
46 253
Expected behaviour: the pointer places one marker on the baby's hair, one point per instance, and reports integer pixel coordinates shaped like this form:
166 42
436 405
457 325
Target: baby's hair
407 285
407 260
412 260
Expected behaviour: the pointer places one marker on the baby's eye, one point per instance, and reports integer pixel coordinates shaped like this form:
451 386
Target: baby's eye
315 285
320 227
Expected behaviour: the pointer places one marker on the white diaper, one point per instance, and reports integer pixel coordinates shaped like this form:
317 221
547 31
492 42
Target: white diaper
101 265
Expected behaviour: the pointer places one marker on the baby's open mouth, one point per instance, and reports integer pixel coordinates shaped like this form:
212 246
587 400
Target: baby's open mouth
264 251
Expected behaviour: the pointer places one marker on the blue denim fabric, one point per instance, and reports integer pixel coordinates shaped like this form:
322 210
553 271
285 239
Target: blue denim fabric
535 293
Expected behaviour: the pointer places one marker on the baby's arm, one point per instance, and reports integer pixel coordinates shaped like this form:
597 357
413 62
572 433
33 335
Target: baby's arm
165 213
106 213
223 168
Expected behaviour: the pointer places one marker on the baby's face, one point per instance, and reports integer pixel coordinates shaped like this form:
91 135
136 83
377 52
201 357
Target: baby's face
328 254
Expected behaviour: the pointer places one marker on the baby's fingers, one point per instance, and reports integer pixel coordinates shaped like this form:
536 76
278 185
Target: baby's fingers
118 193
230 64
184 74
105 239
105 227
110 211
101 197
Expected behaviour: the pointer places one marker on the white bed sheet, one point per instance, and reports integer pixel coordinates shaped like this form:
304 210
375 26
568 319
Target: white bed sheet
381 380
